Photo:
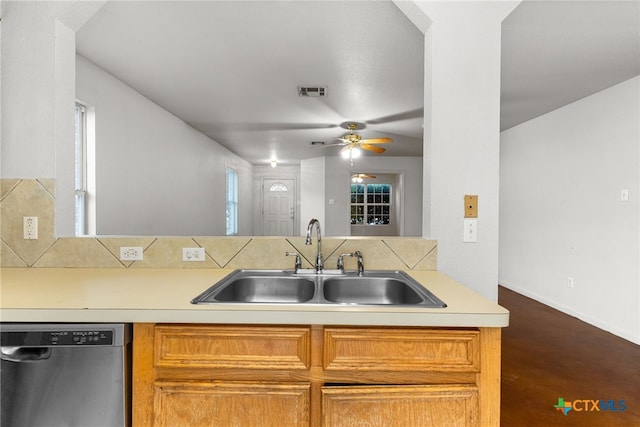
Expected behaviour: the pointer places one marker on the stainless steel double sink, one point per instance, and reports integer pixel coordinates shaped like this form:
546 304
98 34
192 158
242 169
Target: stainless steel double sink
287 287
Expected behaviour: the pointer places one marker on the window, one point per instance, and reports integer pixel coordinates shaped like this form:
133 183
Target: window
370 204
232 202
80 170
278 187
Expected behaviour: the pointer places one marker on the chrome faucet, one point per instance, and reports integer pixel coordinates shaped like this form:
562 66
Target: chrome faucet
340 265
319 261
298 264
358 255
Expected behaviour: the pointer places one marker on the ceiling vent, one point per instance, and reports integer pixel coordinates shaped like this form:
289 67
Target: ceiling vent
314 91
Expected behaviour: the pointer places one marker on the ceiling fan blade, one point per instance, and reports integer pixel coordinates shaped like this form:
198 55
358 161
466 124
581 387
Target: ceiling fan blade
376 141
373 148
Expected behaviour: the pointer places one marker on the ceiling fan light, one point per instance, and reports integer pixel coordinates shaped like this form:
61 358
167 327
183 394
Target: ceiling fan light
346 153
355 152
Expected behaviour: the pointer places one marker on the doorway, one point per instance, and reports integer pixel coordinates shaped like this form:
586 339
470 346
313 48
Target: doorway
278 207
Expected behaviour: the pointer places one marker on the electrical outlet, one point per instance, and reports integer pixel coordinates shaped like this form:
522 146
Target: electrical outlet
130 253
193 254
30 227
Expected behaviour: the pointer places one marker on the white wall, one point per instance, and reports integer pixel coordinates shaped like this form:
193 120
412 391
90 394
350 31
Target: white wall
312 192
461 133
338 179
28 89
155 174
561 216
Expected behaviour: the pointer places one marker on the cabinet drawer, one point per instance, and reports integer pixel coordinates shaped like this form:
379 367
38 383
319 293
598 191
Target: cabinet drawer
398 349
254 347
187 404
400 406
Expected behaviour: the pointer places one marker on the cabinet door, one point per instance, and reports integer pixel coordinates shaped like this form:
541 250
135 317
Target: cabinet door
191 404
400 406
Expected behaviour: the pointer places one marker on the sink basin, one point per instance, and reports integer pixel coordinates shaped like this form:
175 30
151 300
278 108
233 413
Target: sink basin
259 287
369 290
286 287
385 288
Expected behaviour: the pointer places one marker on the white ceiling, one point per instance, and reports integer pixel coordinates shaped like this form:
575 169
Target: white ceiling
231 68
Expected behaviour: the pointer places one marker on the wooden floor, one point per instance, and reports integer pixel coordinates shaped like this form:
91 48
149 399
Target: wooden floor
547 354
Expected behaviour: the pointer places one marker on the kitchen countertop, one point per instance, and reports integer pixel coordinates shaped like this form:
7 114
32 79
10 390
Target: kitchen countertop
164 295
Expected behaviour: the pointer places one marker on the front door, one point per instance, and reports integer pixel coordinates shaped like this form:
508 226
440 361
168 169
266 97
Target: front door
278 207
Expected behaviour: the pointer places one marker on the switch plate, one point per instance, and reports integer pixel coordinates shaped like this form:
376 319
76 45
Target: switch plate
193 254
131 253
624 195
470 206
470 234
570 282
30 227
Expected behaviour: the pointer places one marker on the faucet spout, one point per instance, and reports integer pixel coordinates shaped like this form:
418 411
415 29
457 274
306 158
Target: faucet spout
319 261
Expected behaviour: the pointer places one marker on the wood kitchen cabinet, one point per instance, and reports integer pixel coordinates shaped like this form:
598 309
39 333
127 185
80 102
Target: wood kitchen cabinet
263 375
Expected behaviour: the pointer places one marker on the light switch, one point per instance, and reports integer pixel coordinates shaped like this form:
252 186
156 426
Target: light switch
471 206
624 195
470 234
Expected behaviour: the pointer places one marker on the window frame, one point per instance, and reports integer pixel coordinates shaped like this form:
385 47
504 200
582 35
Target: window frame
365 208
81 223
231 202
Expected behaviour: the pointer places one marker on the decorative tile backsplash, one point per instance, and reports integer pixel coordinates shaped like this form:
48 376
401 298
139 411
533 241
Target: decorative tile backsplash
36 197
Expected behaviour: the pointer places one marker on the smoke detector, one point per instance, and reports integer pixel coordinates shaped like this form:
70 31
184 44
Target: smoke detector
313 91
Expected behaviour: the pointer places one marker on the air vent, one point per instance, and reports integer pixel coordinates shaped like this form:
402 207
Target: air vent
314 91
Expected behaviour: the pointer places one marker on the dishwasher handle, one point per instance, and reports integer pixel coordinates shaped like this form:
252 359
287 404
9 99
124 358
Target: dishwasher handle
24 354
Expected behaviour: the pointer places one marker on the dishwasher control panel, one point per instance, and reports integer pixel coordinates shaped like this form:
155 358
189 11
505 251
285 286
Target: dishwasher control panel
57 338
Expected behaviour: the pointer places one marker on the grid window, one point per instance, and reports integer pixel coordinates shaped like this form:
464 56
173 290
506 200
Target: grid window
80 170
232 202
370 204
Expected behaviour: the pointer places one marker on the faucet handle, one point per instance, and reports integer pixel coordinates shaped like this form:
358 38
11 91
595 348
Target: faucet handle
298 264
341 262
358 255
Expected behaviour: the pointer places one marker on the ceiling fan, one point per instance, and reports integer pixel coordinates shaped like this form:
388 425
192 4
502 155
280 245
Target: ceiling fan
352 142
359 177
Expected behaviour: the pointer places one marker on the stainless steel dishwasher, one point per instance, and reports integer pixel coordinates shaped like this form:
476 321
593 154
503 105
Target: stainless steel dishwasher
64 375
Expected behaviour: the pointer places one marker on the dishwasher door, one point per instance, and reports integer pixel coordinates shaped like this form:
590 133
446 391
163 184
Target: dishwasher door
64 375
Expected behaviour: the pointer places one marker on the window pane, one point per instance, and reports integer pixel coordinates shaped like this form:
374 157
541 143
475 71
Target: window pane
278 187
80 164
370 204
232 202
